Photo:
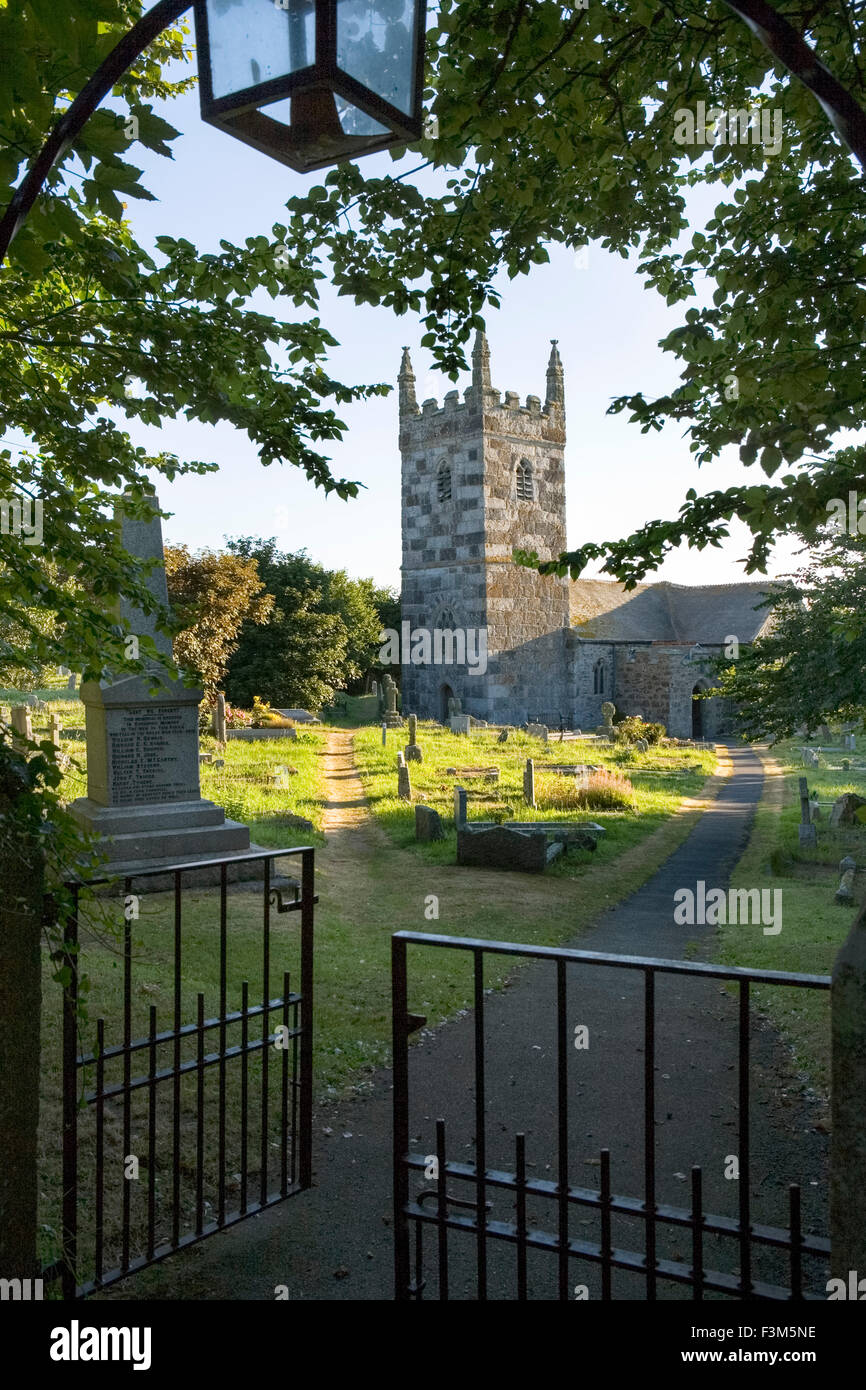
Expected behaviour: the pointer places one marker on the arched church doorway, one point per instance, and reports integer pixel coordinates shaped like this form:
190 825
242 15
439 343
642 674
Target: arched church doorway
697 712
445 694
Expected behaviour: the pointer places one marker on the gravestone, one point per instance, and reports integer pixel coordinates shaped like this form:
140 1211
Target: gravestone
384 735
54 731
846 810
21 721
392 718
529 783
641 745
219 719
374 689
849 743
428 825
460 723
808 834
608 710
845 892
412 751
459 806
404 784
143 793
538 731
503 737
72 682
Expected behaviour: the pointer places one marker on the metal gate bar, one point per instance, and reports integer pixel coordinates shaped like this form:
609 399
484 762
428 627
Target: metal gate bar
295 1012
477 1223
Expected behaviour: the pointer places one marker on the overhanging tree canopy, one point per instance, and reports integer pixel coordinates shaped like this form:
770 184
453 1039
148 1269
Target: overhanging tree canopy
557 125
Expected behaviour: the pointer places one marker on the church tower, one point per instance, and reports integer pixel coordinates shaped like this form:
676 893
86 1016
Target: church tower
481 478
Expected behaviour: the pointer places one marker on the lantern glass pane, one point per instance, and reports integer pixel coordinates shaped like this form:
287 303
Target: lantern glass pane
376 46
254 41
357 122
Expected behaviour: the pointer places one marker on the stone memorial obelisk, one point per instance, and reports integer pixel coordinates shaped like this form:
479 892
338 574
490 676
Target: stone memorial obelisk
143 794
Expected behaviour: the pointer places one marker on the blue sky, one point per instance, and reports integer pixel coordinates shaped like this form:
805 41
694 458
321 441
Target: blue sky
608 327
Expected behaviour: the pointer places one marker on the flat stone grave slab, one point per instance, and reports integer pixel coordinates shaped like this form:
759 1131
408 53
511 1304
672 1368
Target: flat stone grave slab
482 774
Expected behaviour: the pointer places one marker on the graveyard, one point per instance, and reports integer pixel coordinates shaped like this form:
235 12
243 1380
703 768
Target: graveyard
281 788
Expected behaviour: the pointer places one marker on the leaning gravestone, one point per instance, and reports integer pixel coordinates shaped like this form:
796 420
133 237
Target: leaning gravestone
21 721
143 795
845 892
847 810
428 825
807 834
404 784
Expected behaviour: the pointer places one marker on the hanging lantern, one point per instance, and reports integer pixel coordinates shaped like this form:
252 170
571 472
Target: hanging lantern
313 82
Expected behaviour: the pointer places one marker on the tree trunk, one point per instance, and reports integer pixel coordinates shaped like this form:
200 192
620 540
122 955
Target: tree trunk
21 888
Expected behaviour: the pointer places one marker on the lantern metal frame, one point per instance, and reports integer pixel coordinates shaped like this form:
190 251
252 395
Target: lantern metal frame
243 114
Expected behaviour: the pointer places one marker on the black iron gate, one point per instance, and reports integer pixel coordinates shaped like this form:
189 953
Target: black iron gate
536 1219
190 1127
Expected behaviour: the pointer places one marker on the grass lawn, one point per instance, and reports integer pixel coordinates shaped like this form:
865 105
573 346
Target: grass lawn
662 777
813 925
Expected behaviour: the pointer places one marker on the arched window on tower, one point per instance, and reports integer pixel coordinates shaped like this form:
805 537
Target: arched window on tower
443 481
598 678
524 481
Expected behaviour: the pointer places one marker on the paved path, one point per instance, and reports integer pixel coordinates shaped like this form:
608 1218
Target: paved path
335 1241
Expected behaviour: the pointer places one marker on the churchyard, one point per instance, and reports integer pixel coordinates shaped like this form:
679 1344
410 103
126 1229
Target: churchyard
279 787
650 786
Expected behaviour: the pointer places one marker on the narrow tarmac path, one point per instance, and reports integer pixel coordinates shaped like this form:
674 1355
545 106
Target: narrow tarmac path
335 1242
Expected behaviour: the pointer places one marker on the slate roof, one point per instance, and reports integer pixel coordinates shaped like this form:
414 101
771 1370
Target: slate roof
707 613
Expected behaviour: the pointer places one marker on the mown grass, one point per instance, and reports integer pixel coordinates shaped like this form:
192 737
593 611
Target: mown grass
661 778
813 925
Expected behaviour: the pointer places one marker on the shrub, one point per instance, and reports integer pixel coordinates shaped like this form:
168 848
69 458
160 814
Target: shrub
263 717
631 729
601 791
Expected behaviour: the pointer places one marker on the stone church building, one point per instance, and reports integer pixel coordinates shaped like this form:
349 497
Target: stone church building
483 477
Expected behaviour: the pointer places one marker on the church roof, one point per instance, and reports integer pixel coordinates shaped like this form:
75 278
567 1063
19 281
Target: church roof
707 613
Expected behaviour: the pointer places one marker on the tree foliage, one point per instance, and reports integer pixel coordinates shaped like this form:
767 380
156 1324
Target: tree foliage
96 331
322 634
556 125
810 666
212 594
